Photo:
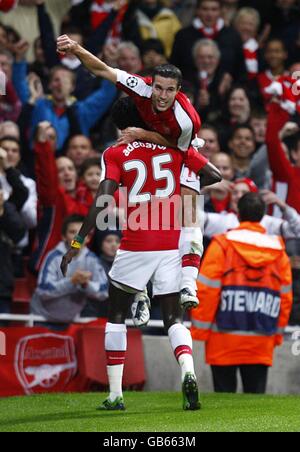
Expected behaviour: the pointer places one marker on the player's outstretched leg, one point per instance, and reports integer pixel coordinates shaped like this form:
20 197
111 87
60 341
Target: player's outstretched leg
191 250
115 346
182 345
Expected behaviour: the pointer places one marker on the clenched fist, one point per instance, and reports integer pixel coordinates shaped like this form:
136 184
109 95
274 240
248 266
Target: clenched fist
65 45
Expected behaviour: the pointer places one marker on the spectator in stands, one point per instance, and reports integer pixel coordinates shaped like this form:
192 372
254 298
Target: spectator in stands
90 175
156 21
153 55
229 10
276 55
283 144
284 165
263 180
108 243
224 164
125 55
247 23
59 299
39 65
129 58
209 80
208 23
115 21
220 223
9 129
56 186
258 122
218 196
240 335
65 113
210 135
85 82
236 111
28 209
12 230
242 147
285 23
3 36
10 105
79 149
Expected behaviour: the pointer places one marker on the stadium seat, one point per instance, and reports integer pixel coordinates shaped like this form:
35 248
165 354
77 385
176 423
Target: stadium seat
24 288
92 358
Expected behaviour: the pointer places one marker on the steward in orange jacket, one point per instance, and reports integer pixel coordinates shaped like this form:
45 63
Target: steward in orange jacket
245 293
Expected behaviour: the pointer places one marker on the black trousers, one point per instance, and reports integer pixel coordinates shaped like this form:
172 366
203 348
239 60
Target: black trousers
254 378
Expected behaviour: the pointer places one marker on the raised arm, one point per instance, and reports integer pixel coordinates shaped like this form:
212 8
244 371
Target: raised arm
289 227
108 188
65 45
280 165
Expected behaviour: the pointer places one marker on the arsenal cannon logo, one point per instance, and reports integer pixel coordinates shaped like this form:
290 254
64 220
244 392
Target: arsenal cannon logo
45 362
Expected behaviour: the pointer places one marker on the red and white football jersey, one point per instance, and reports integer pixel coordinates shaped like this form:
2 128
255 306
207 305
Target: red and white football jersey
151 176
181 122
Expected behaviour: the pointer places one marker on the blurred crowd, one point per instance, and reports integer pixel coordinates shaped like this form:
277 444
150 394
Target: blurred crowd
240 62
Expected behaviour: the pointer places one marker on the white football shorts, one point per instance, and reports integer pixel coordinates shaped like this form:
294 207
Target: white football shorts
134 269
190 180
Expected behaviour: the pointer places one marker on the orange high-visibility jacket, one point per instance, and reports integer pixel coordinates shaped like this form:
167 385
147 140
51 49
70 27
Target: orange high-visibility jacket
245 293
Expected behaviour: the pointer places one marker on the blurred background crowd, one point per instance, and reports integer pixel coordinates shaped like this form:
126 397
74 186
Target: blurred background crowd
55 123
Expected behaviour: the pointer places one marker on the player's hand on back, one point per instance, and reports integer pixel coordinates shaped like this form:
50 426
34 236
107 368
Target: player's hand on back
129 135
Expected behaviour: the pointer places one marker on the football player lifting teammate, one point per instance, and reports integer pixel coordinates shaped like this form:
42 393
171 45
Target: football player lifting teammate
146 254
171 121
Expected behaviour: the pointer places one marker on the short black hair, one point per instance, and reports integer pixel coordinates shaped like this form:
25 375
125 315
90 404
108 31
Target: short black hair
276 39
293 143
13 34
61 67
199 2
125 114
211 127
71 30
10 138
242 126
70 220
258 113
168 71
251 207
89 163
153 44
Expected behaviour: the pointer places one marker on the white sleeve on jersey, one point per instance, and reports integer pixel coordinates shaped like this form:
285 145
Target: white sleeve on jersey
133 83
186 125
190 180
